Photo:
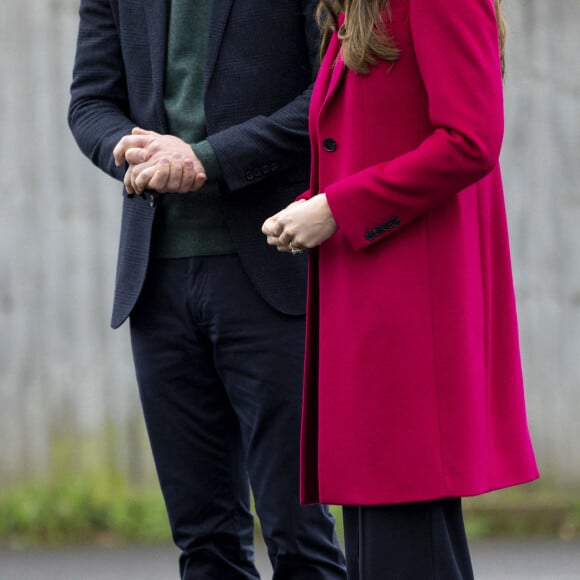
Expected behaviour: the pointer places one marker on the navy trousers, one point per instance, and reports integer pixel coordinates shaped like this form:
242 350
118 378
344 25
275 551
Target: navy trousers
413 541
220 380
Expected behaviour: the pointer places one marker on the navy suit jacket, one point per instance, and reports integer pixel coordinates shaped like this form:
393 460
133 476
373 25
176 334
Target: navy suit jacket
260 65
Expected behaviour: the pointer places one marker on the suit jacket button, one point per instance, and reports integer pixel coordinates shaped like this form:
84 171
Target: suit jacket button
329 145
152 200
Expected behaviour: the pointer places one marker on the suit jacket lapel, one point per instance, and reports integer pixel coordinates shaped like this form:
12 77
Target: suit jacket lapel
156 15
219 16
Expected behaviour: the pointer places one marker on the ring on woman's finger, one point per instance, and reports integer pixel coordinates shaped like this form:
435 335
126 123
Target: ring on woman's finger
293 249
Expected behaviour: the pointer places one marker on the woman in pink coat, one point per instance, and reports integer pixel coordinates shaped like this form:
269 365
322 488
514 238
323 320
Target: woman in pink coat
413 393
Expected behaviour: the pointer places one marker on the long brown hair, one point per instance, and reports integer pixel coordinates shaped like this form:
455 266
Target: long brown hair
365 39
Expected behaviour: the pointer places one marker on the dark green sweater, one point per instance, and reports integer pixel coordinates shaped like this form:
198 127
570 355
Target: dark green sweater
190 224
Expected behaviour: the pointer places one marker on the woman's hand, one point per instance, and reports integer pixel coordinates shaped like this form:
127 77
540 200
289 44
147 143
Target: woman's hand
303 224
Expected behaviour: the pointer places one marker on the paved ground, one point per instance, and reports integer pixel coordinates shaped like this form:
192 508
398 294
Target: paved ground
493 560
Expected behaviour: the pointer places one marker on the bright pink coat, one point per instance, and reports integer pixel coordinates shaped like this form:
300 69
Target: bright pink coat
413 383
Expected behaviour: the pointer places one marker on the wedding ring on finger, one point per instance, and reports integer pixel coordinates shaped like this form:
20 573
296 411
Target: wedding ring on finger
293 249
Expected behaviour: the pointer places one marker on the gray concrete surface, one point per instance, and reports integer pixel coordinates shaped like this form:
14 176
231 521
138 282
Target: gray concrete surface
493 560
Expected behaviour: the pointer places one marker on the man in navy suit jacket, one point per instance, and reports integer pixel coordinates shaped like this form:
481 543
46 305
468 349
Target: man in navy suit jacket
200 108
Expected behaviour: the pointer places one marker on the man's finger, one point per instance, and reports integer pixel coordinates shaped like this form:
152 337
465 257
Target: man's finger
160 176
154 177
129 142
188 177
174 183
136 155
128 182
199 181
139 131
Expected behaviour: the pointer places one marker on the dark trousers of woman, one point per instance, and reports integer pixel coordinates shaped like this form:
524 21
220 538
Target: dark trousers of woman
412 541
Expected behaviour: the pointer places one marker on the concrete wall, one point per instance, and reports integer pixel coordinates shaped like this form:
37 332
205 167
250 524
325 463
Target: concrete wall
541 164
67 394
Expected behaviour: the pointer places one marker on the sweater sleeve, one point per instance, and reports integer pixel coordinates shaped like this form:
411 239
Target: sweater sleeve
209 160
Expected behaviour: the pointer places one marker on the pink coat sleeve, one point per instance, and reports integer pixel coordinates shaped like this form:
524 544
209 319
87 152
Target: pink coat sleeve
457 54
